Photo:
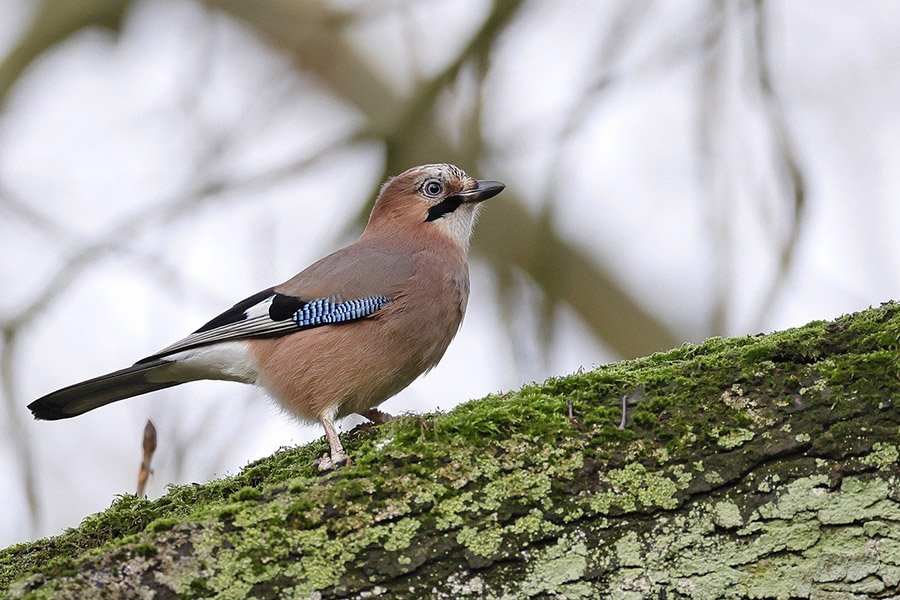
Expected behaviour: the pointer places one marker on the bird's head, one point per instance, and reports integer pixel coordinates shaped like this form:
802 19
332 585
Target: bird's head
440 198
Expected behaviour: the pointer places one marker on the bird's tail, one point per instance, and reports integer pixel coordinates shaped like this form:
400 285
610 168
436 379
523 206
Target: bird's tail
76 399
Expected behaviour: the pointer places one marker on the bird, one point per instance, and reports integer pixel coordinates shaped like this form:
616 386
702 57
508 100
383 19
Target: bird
345 334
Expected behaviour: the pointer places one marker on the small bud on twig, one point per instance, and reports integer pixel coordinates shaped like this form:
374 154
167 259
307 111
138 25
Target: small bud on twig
149 446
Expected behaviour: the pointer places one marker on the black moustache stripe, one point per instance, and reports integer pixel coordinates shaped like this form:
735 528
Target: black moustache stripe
447 205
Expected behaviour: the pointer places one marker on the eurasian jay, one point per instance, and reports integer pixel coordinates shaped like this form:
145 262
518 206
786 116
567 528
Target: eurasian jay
343 335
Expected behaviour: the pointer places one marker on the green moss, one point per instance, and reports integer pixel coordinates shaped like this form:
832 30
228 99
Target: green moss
629 550
735 438
480 541
449 512
633 487
862 499
553 568
727 515
713 478
145 550
883 455
246 494
401 534
531 486
500 478
533 524
162 524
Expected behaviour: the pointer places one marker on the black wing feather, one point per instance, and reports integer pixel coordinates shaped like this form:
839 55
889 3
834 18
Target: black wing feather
236 313
284 307
271 314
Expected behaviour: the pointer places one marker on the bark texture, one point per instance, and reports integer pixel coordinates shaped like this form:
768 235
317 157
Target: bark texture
756 467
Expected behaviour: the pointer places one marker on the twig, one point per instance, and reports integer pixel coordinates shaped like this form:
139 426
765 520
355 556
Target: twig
149 446
629 400
573 420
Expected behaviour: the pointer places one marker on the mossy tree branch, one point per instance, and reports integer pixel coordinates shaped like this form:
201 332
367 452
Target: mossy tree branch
752 467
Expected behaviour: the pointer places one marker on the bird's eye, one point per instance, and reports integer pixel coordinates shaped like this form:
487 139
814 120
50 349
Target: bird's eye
432 188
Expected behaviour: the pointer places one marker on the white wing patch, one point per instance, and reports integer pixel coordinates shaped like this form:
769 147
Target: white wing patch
256 321
229 361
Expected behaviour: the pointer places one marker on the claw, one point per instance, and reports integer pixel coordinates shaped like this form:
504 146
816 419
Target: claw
328 462
378 416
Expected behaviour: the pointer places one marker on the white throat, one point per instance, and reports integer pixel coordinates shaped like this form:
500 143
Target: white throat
458 225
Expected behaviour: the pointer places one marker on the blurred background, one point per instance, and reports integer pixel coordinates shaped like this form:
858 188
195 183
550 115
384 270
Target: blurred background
676 170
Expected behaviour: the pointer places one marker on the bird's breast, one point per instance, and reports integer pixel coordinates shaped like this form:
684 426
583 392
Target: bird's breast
353 366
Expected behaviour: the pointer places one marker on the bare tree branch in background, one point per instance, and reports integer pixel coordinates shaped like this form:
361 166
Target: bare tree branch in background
55 21
713 127
412 135
614 40
735 51
789 170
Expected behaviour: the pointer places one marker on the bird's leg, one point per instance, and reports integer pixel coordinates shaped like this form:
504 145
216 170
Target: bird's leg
378 416
338 456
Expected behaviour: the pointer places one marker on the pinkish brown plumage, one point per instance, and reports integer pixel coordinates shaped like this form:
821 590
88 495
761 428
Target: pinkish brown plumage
343 335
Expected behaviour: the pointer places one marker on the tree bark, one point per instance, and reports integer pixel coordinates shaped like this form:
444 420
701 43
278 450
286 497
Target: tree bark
755 467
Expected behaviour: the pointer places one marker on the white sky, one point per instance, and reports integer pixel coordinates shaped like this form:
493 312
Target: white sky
103 129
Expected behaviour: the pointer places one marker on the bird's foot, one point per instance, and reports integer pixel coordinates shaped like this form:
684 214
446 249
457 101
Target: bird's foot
378 416
328 462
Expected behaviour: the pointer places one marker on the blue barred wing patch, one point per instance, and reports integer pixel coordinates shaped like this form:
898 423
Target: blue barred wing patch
324 311
265 319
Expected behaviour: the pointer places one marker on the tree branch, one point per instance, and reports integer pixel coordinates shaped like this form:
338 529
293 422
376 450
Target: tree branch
751 467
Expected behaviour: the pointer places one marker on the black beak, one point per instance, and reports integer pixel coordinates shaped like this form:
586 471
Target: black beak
483 190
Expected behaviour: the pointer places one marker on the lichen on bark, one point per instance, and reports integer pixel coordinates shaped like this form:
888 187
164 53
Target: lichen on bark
754 467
